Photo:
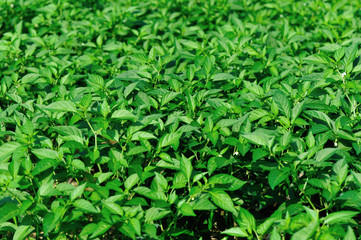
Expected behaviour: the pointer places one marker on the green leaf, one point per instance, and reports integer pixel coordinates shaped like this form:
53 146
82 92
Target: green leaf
7 149
276 177
350 235
257 114
325 154
49 222
78 191
321 116
222 200
154 195
169 139
223 77
44 165
306 232
136 225
341 170
236 232
61 106
100 229
330 47
296 110
8 211
88 229
131 181
123 114
113 208
23 231
45 153
340 217
186 167
85 206
257 138
317 59
246 219
228 182
283 103
153 214
30 78
142 135
187 210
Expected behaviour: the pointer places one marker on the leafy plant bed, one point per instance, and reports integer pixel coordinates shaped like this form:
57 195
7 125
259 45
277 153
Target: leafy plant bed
180 119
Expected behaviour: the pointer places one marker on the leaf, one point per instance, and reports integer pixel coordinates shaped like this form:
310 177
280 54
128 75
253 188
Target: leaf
186 167
45 153
96 80
276 177
296 110
325 154
78 191
222 200
153 214
100 229
340 217
8 211
30 78
85 206
136 225
131 181
236 232
154 195
341 170
44 165
257 138
223 77
123 114
306 232
142 135
136 150
283 103
357 147
169 96
190 44
330 47
226 181
187 210
61 106
257 114
49 222
7 149
316 59
227 122
113 207
169 139
23 231
246 219
88 229
350 235
321 116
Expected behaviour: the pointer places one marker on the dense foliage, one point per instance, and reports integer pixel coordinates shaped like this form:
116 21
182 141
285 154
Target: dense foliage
177 119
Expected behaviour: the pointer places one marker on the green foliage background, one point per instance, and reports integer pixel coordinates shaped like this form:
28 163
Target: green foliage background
180 119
